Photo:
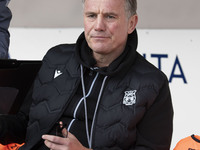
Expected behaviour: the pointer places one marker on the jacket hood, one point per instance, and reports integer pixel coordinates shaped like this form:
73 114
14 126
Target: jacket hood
119 66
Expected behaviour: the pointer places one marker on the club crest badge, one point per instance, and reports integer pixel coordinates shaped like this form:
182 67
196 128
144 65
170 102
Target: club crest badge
129 97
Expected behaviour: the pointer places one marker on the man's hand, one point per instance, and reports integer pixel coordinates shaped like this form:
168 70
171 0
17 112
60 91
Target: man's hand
60 143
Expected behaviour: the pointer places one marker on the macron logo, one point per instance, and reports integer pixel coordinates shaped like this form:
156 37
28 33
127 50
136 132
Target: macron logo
57 73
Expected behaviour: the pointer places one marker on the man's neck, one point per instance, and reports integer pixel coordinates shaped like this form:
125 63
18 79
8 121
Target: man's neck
104 60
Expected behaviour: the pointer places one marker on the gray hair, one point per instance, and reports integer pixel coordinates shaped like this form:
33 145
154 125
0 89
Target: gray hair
130 7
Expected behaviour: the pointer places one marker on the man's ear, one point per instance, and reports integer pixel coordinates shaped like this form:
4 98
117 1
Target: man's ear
133 20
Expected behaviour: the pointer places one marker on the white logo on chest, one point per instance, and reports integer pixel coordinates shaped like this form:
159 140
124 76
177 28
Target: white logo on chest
129 97
57 73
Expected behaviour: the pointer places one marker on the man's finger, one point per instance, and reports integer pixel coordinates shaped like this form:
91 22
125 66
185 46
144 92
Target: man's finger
54 139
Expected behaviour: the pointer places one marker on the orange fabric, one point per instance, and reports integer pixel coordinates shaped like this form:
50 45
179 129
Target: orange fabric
12 146
189 143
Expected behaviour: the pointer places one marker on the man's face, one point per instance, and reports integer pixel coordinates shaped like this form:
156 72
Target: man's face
106 25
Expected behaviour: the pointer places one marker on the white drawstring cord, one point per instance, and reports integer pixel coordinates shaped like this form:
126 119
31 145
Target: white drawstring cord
89 137
80 101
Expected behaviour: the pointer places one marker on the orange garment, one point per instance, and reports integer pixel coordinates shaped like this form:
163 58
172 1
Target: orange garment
12 146
189 143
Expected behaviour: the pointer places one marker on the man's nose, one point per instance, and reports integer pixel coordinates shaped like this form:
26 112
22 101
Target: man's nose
99 24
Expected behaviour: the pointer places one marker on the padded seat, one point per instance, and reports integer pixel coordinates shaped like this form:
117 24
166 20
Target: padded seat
16 78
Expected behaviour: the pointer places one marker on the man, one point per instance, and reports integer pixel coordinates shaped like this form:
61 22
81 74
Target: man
100 92
5 17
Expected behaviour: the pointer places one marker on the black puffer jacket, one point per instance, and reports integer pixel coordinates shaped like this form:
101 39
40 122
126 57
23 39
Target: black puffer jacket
135 111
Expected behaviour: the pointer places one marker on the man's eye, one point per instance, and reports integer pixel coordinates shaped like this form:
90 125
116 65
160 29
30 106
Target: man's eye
91 16
110 17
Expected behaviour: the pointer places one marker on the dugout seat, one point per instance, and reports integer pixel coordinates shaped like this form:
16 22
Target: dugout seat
16 78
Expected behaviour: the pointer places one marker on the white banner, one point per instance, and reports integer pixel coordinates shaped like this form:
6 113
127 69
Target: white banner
175 52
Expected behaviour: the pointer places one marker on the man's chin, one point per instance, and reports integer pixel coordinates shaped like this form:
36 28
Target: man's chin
98 45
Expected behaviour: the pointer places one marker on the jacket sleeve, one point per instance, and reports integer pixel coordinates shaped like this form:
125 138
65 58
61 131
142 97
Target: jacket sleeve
13 127
5 18
155 129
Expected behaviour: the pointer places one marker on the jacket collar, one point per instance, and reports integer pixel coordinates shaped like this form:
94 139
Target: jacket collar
119 66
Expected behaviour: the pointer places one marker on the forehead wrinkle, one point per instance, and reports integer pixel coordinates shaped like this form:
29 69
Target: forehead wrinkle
101 7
